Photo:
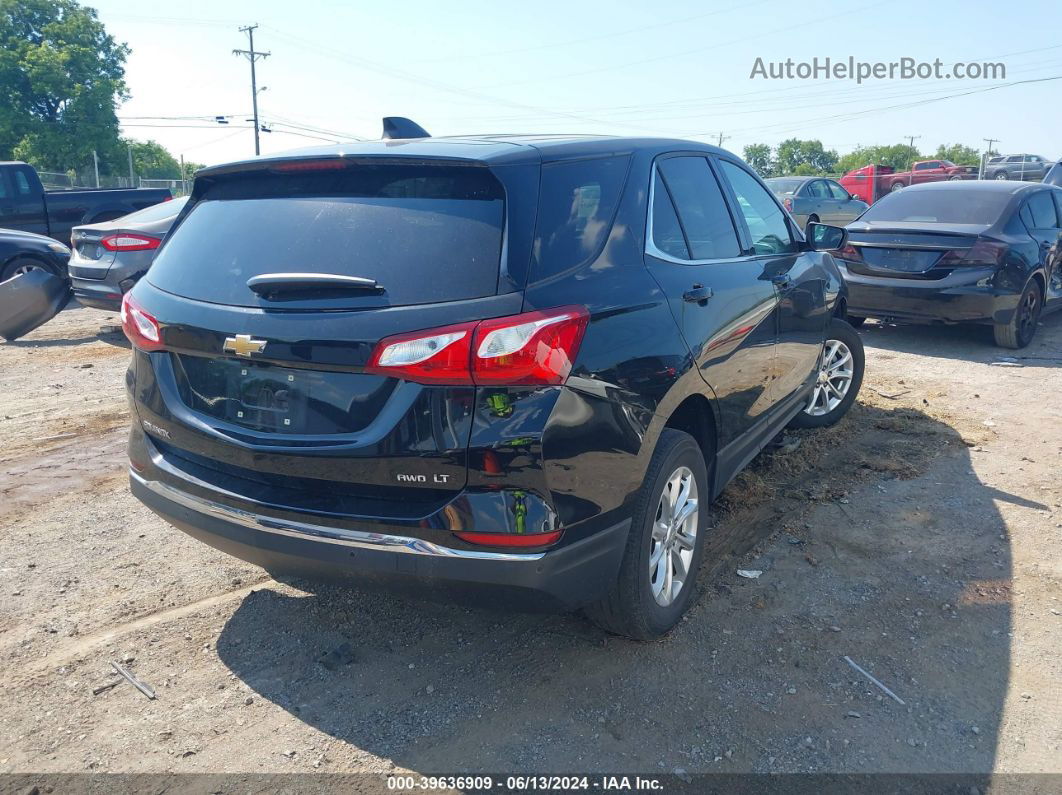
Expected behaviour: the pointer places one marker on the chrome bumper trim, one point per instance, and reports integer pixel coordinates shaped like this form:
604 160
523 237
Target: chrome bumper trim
323 533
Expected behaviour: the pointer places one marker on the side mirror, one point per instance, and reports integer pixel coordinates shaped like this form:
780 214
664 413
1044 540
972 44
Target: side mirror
823 237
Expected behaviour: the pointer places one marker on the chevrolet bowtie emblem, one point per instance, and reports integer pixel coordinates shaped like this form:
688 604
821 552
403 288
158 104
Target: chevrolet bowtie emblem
243 345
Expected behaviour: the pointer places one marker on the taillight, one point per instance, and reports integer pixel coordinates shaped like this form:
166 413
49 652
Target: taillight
982 252
124 241
534 348
438 356
141 328
985 252
511 539
788 204
850 253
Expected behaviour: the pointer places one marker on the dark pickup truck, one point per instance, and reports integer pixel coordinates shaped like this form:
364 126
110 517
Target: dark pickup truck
25 204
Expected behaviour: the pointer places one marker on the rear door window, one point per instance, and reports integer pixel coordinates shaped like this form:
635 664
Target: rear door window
702 211
577 202
817 190
425 233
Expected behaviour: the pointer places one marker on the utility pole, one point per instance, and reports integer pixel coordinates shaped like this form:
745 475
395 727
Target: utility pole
184 186
721 139
986 155
252 56
96 166
129 151
910 167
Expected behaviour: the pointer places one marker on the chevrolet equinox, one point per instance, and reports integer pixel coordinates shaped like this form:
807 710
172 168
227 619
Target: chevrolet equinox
521 367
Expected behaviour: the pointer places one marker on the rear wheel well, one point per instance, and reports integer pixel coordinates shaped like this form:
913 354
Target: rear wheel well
695 417
1039 279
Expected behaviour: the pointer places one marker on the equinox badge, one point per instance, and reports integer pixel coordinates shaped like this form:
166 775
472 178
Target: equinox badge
243 345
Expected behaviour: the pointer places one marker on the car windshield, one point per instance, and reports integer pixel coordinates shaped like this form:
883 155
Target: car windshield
156 212
969 206
782 186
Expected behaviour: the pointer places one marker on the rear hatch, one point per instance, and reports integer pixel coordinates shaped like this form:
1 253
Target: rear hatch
265 392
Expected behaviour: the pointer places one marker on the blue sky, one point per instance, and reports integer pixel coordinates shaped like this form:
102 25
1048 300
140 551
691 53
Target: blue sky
671 68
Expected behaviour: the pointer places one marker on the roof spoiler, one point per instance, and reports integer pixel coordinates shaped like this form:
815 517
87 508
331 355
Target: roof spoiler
401 127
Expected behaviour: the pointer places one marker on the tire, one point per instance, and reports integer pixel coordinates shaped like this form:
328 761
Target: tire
23 265
840 374
632 608
1000 175
1021 329
855 321
954 179
896 186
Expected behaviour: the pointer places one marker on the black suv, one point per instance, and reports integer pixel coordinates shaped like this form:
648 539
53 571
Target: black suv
517 366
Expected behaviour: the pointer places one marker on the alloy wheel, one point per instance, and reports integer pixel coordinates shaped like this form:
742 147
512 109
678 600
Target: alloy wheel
26 268
674 536
1028 314
833 381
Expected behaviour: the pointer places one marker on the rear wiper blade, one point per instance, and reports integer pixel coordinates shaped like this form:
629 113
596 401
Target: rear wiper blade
267 284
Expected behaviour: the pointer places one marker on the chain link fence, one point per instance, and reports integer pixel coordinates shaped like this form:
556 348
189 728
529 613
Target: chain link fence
74 179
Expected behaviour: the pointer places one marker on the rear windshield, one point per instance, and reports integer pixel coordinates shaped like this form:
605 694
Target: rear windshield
156 212
940 206
784 187
425 233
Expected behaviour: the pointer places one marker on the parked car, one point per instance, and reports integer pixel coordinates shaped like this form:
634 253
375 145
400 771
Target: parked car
814 200
473 364
110 257
1023 167
970 252
25 204
22 252
871 182
1054 176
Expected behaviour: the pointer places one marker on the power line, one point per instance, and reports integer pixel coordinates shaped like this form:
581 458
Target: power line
252 56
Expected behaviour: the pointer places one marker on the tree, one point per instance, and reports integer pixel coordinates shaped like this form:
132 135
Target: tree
152 160
959 154
808 156
61 80
899 156
759 157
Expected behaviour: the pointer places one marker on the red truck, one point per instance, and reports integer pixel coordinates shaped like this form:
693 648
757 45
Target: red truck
870 183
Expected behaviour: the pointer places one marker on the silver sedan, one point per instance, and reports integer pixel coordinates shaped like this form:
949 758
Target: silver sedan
816 199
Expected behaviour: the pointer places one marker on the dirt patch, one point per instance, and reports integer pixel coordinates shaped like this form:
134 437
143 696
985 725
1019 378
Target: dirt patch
920 538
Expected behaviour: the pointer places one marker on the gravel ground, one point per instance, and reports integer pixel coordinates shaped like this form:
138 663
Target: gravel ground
920 538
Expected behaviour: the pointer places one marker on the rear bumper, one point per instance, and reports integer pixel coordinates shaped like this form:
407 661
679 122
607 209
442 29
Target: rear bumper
561 579
964 296
97 294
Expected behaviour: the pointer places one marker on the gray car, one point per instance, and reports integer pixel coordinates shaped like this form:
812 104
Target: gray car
109 257
1023 167
816 199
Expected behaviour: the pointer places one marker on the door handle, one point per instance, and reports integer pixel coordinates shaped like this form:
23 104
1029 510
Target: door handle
698 294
